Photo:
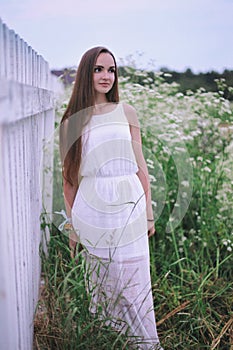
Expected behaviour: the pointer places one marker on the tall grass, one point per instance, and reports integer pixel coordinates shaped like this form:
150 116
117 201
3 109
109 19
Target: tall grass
187 141
63 320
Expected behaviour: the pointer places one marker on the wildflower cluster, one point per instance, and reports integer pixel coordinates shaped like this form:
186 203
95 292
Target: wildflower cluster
188 142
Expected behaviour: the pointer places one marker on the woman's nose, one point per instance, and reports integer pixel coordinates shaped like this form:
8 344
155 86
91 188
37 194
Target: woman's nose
105 74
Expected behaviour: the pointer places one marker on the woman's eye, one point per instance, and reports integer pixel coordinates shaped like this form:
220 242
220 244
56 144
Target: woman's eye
97 69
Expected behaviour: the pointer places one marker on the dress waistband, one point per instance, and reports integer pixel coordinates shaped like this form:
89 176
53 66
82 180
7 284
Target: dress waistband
108 176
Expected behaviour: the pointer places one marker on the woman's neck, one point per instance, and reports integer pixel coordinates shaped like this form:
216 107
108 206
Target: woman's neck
100 99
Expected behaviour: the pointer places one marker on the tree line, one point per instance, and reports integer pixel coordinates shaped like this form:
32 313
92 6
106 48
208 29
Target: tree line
186 80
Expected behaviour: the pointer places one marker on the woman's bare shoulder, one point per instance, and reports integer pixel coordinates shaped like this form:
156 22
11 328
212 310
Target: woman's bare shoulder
131 114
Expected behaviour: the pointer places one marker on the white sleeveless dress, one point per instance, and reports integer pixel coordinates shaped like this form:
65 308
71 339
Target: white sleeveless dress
109 215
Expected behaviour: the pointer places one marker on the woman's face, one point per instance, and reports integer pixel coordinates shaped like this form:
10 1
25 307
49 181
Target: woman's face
104 73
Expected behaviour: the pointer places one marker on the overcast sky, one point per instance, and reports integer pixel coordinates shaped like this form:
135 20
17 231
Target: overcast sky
173 33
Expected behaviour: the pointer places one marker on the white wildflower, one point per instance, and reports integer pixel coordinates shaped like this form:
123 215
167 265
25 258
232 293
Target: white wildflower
183 239
207 169
152 178
149 165
185 183
192 231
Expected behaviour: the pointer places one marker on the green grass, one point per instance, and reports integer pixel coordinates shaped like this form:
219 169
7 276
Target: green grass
63 320
191 311
191 264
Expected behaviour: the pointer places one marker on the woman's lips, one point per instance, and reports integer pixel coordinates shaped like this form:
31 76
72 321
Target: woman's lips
104 84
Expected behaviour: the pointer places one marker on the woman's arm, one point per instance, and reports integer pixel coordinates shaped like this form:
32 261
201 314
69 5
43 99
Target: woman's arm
69 197
142 173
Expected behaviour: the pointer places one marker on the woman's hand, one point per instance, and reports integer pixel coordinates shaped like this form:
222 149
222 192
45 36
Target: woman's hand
151 228
72 244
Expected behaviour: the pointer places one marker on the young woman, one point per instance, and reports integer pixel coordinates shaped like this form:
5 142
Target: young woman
108 199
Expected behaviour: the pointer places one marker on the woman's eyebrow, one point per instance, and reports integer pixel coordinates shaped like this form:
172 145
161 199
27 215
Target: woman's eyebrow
99 66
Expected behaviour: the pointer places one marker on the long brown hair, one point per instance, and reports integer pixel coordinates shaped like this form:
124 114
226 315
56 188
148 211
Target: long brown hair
79 111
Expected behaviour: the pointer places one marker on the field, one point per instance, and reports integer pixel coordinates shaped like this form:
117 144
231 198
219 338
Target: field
188 146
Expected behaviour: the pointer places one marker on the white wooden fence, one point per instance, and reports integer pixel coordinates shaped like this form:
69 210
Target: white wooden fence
26 120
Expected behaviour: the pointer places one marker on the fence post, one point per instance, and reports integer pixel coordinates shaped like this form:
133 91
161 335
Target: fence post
26 120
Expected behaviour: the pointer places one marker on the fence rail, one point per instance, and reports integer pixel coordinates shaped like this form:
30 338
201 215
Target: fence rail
26 120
